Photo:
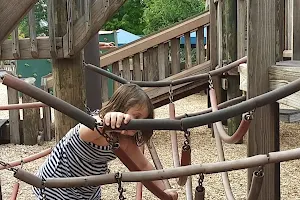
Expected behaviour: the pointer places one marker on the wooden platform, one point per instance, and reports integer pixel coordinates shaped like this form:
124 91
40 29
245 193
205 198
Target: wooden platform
289 115
279 75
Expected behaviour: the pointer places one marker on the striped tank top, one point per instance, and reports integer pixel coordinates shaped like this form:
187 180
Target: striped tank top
73 157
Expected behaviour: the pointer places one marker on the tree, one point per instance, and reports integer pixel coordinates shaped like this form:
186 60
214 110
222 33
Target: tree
41 23
129 18
162 13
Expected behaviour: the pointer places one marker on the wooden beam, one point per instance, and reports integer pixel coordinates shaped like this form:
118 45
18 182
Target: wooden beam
43 46
11 13
101 11
296 30
263 135
154 39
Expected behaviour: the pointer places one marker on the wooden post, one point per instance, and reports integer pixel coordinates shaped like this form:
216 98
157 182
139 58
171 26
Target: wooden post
213 33
31 118
93 81
230 55
14 117
296 27
67 77
263 136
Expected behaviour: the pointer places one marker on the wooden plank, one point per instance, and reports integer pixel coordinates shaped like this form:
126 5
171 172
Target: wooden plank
188 50
146 64
296 30
161 61
155 39
15 44
126 69
175 55
11 13
32 34
104 87
160 96
153 71
70 29
279 29
289 17
137 72
51 25
31 118
46 113
115 70
100 13
43 45
200 55
263 134
14 117
241 21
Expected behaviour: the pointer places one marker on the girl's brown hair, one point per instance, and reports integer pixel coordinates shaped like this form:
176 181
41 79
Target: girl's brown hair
126 97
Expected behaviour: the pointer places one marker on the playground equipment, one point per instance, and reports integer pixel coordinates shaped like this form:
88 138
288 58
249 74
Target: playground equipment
135 62
161 124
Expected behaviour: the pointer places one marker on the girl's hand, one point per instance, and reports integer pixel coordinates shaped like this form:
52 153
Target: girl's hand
173 193
115 119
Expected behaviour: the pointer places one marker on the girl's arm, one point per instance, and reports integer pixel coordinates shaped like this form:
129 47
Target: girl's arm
134 159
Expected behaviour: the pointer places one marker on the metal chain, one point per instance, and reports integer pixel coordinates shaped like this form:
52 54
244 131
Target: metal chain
210 82
8 166
186 142
260 171
200 182
249 115
111 141
118 177
171 97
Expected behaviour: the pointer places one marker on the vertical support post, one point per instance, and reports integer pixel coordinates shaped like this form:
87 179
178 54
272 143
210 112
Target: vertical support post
93 81
296 27
263 134
14 117
230 55
67 77
213 33
31 118
51 25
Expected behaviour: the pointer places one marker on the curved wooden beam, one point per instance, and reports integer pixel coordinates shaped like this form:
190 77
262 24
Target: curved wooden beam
11 13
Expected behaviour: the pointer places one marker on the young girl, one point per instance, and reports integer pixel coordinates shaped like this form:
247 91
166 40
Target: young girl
84 152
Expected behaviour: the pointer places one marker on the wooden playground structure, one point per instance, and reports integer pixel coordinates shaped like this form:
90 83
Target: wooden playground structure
258 53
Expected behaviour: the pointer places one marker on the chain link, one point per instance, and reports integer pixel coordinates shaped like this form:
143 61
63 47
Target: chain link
249 115
171 97
8 166
111 141
186 142
210 82
200 182
118 177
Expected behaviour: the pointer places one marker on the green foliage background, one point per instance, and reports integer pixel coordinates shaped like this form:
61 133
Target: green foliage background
139 17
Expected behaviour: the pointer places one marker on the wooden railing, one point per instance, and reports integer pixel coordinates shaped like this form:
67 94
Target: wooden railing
159 55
